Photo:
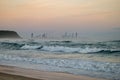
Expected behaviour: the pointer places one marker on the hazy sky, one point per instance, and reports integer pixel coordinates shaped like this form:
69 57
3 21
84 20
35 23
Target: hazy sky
91 18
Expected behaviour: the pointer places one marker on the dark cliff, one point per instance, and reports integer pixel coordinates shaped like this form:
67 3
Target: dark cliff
8 34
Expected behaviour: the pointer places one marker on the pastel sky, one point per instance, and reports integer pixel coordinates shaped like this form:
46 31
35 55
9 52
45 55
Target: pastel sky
88 17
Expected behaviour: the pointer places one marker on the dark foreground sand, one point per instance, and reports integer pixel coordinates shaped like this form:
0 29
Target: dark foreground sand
4 76
15 73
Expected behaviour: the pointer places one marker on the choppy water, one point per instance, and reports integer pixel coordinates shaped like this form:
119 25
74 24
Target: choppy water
65 56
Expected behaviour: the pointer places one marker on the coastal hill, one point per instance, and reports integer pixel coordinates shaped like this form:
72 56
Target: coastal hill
8 34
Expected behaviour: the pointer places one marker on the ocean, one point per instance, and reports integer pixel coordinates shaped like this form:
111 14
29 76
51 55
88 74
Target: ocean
95 59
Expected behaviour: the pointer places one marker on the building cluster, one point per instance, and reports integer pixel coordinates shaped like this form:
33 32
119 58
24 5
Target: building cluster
45 35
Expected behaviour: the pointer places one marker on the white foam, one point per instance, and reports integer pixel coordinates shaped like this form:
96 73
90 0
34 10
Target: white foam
31 47
70 49
69 63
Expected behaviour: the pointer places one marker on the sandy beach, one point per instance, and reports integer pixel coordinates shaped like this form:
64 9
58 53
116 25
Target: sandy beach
16 73
4 76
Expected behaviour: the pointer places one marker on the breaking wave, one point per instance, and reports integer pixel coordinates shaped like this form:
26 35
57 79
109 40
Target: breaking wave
39 53
64 46
69 63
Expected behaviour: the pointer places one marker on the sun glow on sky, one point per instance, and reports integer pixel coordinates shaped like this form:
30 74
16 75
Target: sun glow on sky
76 15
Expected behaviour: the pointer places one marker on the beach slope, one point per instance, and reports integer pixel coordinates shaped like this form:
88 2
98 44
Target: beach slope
16 73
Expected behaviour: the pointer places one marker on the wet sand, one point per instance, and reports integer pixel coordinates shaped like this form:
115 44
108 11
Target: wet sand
16 73
4 76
